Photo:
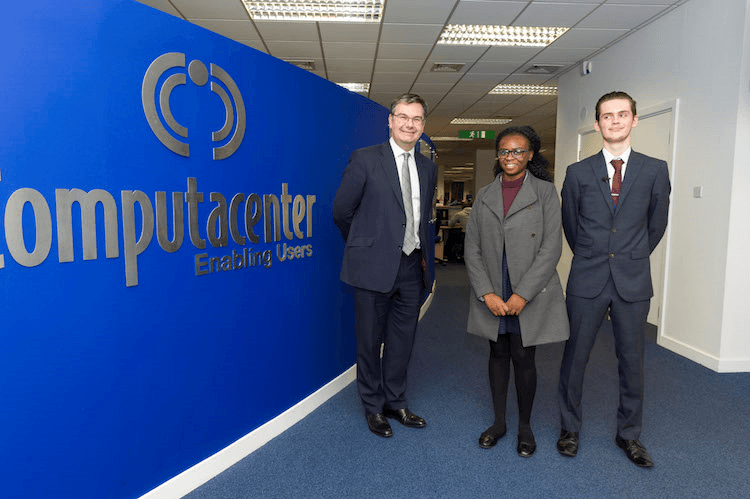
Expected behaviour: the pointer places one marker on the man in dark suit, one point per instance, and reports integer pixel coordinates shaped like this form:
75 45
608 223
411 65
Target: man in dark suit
383 208
614 211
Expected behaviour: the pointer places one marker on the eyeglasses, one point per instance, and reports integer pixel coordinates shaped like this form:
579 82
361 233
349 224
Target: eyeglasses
517 153
417 120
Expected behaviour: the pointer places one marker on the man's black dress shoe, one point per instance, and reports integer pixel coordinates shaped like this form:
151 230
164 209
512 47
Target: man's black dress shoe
405 417
635 451
379 425
567 444
490 436
526 443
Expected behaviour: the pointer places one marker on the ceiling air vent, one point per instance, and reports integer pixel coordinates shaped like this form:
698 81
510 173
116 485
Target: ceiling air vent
446 68
308 65
544 69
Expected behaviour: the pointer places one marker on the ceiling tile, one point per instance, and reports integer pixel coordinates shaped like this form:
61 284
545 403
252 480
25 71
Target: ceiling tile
215 9
351 50
348 77
256 44
162 5
288 32
294 50
410 33
439 78
495 67
566 56
350 65
397 66
530 79
588 38
235 30
554 14
646 2
426 11
445 53
486 12
402 79
351 32
403 51
392 88
511 54
620 16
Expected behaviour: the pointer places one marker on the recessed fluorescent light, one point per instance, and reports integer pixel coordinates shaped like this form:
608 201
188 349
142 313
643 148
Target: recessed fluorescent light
515 36
321 10
449 139
356 87
479 121
525 89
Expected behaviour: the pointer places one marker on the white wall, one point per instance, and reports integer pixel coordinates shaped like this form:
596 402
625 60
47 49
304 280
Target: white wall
735 328
695 54
484 165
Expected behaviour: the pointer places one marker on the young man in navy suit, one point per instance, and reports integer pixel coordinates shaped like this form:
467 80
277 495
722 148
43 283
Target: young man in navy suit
614 211
383 209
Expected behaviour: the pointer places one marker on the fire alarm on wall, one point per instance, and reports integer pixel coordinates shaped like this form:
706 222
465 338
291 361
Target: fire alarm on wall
586 68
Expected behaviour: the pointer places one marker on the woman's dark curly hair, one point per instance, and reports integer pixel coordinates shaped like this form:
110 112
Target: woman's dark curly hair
538 164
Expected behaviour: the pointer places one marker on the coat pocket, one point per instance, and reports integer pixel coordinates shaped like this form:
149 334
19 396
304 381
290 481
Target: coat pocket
583 247
640 253
360 242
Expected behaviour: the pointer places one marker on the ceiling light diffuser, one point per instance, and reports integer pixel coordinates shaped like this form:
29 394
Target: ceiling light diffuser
480 121
510 89
514 36
316 10
356 87
449 139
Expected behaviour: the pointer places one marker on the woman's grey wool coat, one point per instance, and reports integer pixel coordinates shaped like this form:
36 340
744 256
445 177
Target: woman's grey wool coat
531 236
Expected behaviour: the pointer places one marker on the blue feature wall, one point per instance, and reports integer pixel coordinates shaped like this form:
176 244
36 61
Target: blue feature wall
141 335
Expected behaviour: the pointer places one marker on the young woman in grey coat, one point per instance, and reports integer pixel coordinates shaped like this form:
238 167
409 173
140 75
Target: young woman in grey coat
513 243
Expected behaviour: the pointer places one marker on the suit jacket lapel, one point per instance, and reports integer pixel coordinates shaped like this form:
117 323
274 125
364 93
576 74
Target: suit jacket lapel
601 175
425 198
388 164
635 164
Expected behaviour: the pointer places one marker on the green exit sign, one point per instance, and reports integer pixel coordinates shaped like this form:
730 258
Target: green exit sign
476 134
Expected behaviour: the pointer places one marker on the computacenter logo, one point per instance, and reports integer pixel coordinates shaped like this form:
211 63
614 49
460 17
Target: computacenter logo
199 75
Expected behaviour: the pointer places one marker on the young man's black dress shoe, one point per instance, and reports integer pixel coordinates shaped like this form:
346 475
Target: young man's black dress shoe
567 444
490 436
635 451
379 425
405 417
526 443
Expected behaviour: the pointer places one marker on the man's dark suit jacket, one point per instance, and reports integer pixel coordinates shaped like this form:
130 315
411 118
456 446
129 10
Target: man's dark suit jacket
605 240
369 212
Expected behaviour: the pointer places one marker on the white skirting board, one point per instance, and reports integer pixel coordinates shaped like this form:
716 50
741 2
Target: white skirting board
194 477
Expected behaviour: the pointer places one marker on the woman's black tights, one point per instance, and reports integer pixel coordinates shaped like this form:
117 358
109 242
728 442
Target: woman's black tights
508 346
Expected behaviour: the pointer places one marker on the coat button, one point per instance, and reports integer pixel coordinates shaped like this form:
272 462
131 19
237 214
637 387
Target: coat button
611 255
533 234
614 230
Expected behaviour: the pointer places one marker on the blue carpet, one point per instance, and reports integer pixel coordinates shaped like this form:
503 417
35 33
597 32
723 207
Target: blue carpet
696 428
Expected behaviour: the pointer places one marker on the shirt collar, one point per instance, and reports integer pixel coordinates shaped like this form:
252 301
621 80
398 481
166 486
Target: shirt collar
608 156
397 151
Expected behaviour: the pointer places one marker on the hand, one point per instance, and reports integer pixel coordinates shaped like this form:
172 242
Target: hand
515 304
495 304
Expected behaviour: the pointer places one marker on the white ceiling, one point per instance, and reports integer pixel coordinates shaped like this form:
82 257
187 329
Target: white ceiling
396 55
